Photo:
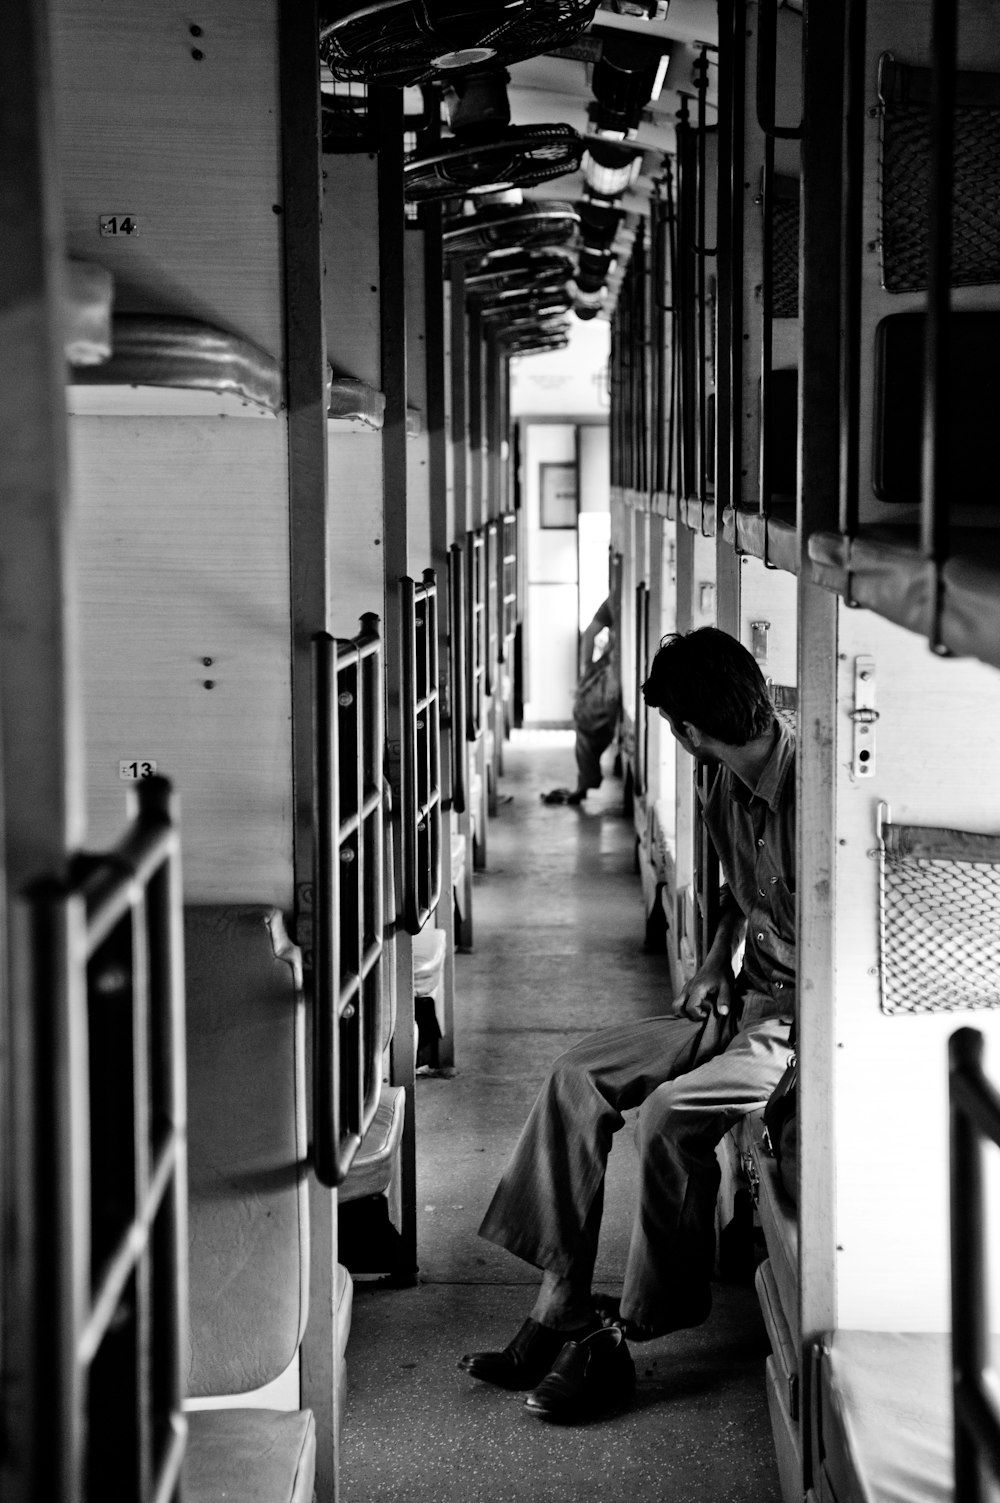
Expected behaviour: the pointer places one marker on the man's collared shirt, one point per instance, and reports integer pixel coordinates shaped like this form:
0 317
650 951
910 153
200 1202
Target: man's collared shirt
754 834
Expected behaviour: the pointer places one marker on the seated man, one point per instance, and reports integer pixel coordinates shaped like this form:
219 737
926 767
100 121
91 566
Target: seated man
717 1057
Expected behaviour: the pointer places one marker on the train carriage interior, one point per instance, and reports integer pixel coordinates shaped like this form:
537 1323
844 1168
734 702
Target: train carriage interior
383 383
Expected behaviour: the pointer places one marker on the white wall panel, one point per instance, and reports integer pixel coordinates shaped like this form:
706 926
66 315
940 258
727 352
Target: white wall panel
182 532
937 751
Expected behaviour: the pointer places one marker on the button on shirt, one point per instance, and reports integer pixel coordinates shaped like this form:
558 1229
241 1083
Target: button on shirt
754 834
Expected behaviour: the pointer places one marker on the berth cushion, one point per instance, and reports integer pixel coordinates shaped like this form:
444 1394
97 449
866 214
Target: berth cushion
375 1170
254 1455
247 1146
885 1416
429 949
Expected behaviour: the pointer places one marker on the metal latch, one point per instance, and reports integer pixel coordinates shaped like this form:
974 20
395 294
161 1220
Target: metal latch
864 716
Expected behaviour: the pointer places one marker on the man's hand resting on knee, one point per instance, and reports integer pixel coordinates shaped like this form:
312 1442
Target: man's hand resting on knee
710 989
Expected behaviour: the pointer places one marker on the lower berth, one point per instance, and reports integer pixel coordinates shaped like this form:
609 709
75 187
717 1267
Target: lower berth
882 1420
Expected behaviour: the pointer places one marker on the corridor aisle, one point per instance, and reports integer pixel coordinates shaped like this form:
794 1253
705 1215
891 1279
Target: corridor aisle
558 952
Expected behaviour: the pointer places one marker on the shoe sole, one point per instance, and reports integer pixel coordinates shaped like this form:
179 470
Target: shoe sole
585 1414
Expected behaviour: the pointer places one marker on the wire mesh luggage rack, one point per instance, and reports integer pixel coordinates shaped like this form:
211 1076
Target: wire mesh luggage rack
348 854
939 918
904 95
107 1307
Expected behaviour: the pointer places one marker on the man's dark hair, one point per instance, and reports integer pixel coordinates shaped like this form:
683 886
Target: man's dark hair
709 679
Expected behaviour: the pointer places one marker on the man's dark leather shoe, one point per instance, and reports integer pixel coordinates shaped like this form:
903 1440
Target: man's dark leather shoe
523 1363
588 1377
692 1312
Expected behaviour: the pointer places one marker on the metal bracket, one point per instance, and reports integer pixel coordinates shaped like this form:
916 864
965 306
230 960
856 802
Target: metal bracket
758 640
864 716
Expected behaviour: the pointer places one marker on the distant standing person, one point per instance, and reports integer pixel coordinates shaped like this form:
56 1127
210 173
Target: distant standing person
596 706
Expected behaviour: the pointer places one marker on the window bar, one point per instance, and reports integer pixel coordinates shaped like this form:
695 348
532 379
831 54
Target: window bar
659 336
852 209
421 752
725 406
640 761
767 67
936 458
644 347
673 307
508 586
348 834
684 300
766 334
701 85
475 651
974 1116
707 874
459 686
106 984
492 603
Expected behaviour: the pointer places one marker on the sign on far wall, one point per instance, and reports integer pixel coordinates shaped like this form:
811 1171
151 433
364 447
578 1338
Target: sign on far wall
557 499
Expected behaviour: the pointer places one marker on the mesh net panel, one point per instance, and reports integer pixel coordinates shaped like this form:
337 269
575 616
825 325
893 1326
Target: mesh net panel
906 177
939 906
785 259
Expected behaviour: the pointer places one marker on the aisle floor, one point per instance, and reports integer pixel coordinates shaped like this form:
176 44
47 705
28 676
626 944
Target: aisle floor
558 952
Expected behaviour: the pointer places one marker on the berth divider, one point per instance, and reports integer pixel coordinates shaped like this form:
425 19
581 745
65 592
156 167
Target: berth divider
108 1295
348 841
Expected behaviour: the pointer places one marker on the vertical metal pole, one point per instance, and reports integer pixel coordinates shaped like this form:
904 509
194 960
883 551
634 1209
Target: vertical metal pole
41 794
306 368
935 487
729 394
818 500
968 1268
388 107
851 152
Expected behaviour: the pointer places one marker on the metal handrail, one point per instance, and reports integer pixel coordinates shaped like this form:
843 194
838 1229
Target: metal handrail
457 645
975 1117
767 67
475 641
348 855
109 1180
420 750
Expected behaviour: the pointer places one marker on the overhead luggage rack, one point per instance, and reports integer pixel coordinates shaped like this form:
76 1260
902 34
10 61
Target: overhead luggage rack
904 96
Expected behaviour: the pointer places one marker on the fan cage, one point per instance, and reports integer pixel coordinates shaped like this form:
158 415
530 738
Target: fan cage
407 42
518 271
523 157
541 225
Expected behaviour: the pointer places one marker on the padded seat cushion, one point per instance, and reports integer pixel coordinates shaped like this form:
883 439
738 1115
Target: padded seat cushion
247 1146
885 1416
372 1172
253 1455
457 857
430 947
752 532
